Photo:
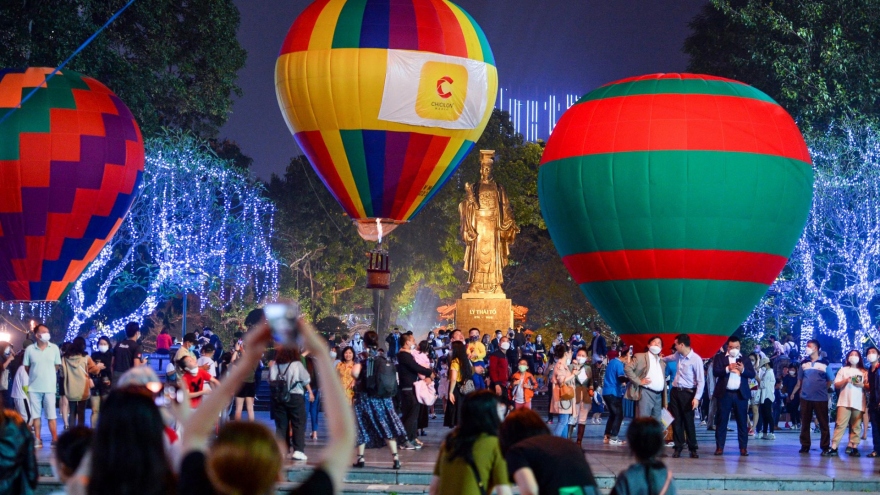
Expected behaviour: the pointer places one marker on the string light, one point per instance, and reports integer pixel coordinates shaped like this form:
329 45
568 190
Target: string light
834 273
197 226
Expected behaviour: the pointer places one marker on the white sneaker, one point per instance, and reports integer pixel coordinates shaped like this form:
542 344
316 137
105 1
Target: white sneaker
670 444
615 441
299 456
771 436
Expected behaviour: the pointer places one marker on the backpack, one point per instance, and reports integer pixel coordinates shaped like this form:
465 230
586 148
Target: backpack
278 388
381 377
793 354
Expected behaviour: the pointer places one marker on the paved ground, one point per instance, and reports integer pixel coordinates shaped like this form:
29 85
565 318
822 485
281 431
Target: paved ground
769 459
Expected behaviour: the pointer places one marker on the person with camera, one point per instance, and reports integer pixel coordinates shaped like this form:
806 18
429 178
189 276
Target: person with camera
732 374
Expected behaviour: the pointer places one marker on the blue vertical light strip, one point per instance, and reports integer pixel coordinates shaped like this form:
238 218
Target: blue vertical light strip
528 116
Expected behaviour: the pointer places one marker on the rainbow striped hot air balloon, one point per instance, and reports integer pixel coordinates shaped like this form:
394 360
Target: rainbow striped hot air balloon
675 201
385 98
71 158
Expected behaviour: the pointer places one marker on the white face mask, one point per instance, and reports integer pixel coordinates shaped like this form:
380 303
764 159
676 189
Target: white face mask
103 348
505 345
872 358
655 349
582 360
332 355
734 353
193 371
7 352
792 373
853 360
412 347
810 351
45 337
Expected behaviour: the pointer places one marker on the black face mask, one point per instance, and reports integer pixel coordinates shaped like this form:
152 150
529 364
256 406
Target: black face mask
474 339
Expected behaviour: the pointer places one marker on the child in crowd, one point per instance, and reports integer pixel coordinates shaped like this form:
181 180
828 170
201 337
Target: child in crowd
542 384
648 474
522 386
69 452
206 361
443 384
598 406
195 379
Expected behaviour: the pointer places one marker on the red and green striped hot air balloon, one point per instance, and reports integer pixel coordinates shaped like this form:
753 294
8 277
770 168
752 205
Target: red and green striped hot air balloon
675 201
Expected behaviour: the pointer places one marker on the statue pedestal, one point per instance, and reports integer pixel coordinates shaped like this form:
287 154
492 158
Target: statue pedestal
488 312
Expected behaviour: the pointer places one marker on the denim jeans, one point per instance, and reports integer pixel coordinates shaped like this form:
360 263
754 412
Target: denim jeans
312 410
561 427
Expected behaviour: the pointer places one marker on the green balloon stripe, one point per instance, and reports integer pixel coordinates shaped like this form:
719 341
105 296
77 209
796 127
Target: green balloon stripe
677 86
708 307
675 200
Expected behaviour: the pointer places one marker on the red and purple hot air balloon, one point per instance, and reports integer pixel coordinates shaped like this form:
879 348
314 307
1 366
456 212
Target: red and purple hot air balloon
675 201
71 159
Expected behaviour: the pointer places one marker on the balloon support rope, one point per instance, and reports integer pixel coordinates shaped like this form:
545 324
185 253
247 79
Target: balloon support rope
55 71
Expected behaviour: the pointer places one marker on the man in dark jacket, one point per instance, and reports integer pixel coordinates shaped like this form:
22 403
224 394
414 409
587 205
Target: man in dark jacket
599 347
732 373
499 369
393 341
408 371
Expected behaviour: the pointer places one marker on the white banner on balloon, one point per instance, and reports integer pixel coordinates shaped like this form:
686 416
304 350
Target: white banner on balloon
432 90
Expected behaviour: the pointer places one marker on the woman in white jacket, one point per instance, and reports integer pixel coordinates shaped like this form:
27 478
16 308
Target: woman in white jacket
766 396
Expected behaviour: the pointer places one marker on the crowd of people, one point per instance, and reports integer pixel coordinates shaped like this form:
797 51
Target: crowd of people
192 436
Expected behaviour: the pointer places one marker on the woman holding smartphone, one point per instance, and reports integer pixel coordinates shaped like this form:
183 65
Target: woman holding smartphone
850 381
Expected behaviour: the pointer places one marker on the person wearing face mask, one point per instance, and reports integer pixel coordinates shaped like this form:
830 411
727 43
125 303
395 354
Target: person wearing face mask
408 371
766 396
540 350
393 341
583 393
41 361
872 358
576 342
850 381
646 371
499 370
356 344
791 402
732 374
813 382
493 345
522 386
194 379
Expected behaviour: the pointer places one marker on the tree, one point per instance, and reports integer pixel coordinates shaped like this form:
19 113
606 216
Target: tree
197 226
173 63
816 58
831 284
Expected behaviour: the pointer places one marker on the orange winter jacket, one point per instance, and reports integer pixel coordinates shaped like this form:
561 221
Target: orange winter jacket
528 390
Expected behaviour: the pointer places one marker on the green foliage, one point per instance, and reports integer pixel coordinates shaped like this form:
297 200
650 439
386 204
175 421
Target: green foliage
817 58
174 63
326 266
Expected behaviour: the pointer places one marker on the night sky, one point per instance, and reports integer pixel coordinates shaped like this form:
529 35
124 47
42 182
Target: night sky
541 47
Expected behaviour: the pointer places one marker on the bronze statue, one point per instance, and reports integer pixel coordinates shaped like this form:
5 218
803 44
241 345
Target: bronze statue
487 228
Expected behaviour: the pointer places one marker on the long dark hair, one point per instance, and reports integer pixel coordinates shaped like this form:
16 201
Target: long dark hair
459 351
371 339
861 364
479 415
76 348
518 426
128 454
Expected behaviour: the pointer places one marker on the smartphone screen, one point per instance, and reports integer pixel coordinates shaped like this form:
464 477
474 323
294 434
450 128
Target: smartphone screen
282 319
